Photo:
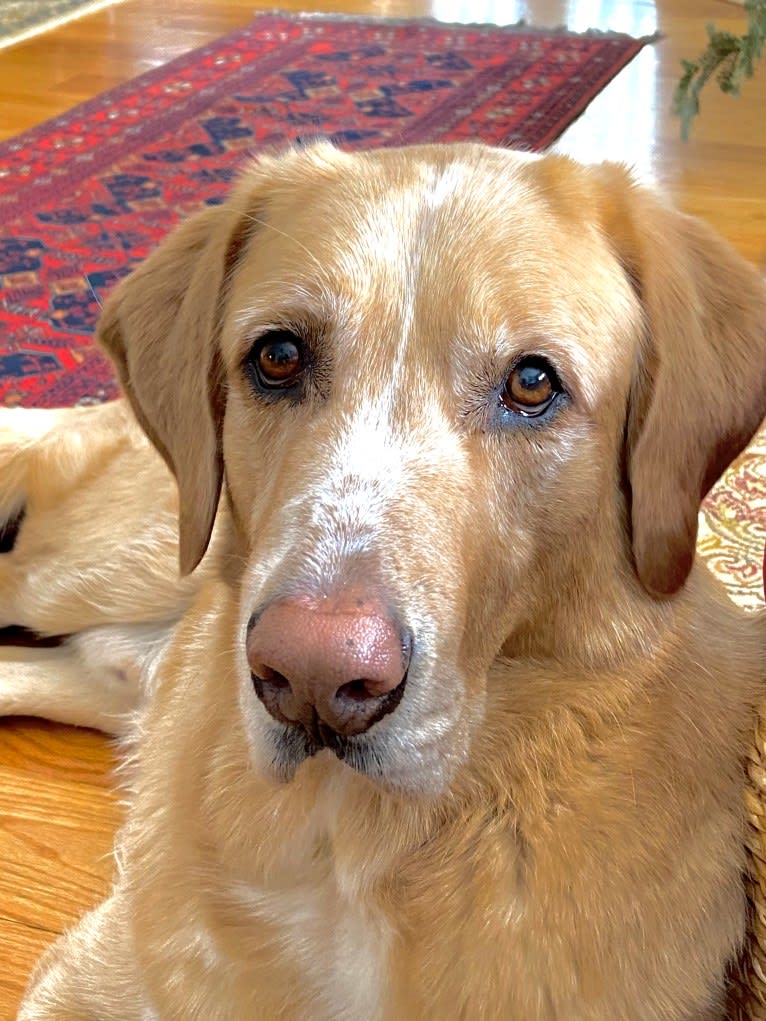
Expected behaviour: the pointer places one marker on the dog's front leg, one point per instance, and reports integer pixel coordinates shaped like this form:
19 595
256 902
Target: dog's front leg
89 974
97 678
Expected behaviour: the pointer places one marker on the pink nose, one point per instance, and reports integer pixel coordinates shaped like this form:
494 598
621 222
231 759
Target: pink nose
336 663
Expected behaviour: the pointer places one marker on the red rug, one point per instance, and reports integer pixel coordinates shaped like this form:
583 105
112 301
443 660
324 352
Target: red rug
86 196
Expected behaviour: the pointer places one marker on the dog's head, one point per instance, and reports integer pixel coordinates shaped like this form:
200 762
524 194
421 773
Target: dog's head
463 401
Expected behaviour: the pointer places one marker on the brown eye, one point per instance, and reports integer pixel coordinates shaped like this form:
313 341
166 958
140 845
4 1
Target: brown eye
277 359
531 387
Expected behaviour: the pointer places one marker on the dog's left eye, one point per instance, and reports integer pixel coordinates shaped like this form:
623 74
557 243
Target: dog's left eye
531 387
277 359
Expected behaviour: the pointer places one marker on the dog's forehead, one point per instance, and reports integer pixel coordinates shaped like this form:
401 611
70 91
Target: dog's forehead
386 210
460 242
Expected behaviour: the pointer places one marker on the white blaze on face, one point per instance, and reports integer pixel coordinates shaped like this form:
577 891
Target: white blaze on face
375 457
376 462
365 473
378 472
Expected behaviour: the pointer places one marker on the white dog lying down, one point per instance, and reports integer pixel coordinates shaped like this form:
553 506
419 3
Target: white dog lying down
447 724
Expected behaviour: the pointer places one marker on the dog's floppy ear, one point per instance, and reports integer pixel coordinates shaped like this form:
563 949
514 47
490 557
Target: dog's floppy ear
699 393
160 328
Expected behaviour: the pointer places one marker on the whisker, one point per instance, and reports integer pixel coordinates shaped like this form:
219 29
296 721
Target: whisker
92 290
284 234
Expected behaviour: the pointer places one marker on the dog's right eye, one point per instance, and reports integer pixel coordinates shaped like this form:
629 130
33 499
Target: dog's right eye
276 360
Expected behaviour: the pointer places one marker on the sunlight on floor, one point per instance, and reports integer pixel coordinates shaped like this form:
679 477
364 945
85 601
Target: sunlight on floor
578 15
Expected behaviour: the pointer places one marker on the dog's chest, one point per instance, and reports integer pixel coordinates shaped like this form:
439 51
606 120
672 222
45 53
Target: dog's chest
334 943
321 921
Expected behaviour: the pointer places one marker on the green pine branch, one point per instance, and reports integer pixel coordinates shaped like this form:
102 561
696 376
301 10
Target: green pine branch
731 58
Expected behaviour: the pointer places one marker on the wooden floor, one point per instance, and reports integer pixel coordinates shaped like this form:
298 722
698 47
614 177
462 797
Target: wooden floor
57 815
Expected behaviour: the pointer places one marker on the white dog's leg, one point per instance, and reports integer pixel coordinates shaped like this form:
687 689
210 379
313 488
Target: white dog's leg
56 686
98 678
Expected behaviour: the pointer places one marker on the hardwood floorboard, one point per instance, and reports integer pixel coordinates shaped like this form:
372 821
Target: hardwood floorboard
57 812
58 815
22 946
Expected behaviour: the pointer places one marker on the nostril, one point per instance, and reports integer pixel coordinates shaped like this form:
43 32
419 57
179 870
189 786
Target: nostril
266 675
357 691
366 698
275 691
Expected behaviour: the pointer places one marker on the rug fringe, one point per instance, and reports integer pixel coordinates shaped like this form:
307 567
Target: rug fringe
55 22
516 27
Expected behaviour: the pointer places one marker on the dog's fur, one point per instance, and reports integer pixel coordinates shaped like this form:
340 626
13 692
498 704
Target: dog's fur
549 825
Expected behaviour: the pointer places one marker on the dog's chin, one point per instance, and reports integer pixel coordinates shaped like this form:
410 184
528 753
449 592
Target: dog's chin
417 772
